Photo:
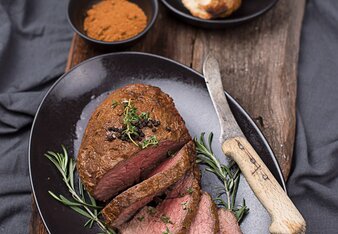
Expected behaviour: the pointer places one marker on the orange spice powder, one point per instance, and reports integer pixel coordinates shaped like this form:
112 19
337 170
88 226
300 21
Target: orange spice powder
114 20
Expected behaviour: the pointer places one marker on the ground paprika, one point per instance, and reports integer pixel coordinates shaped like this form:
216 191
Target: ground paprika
114 20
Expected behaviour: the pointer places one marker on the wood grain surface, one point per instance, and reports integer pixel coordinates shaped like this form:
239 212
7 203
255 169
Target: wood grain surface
258 63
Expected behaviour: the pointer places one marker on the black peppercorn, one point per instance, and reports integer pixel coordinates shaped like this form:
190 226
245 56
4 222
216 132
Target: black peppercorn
110 137
168 129
113 129
124 137
154 130
138 138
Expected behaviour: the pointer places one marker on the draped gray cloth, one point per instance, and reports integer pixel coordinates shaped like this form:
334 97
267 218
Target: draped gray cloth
34 43
313 184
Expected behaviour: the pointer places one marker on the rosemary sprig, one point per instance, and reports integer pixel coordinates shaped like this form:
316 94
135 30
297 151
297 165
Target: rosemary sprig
79 203
228 175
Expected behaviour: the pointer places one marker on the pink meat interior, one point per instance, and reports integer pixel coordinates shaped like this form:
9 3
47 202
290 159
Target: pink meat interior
130 171
131 210
171 209
204 221
163 167
228 223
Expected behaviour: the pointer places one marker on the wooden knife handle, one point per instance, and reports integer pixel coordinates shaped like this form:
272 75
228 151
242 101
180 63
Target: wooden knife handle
286 219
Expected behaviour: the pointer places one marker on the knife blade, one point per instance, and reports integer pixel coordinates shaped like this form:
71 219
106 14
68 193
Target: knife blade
285 218
212 75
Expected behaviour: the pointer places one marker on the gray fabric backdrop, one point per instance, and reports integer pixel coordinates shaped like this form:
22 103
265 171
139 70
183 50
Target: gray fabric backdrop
34 43
313 184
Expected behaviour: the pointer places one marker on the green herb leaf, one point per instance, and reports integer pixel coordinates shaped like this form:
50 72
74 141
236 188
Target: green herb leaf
130 118
165 219
89 209
229 175
114 104
184 205
144 115
241 211
167 231
140 218
148 142
81 212
151 210
89 223
190 190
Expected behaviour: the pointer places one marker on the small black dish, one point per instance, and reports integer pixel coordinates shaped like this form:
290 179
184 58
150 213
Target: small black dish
77 12
249 10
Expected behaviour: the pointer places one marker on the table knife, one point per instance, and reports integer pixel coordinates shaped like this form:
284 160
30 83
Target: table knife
285 218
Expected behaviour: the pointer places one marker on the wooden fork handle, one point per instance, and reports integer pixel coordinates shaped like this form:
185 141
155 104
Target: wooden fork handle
286 219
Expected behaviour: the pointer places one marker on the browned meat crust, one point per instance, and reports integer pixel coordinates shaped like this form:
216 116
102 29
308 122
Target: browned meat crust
98 156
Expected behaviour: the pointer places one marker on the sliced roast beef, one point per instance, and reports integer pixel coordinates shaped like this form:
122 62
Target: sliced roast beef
228 222
206 219
173 215
108 160
126 204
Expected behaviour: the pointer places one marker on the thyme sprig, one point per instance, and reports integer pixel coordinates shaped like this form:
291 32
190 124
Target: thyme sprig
149 141
130 120
114 104
80 197
130 117
228 175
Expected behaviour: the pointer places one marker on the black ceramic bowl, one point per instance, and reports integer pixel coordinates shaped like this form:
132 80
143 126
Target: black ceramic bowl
77 12
248 10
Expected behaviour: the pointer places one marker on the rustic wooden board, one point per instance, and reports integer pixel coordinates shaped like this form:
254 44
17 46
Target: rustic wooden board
258 64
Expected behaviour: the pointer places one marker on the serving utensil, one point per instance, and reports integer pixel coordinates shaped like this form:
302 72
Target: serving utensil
286 219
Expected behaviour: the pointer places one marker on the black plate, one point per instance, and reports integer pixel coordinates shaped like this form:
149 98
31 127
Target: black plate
65 110
248 10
